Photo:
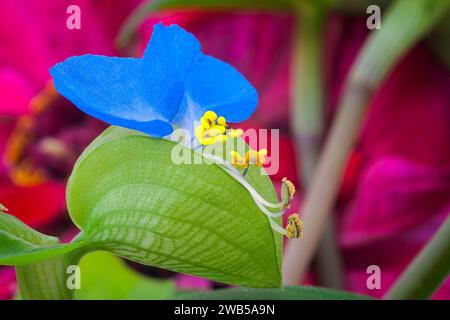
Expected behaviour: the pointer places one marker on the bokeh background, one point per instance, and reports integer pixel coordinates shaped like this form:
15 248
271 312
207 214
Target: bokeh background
395 190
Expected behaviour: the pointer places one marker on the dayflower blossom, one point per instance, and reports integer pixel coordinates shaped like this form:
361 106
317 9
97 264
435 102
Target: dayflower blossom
171 86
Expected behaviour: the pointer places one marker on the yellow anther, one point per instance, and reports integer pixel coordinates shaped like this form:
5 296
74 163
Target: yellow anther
256 157
205 123
234 133
294 227
221 121
236 159
211 115
208 119
290 188
251 157
211 129
288 192
210 136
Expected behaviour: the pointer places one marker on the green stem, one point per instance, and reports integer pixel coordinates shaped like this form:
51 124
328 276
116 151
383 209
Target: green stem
405 23
47 280
44 280
308 125
427 271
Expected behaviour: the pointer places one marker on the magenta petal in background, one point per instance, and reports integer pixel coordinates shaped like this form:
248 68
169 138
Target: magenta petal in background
394 194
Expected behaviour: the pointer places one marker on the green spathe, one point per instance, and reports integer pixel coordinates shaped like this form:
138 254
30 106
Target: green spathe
128 197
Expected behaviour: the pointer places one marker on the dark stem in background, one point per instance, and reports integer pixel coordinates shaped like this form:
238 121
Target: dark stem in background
427 271
307 125
405 23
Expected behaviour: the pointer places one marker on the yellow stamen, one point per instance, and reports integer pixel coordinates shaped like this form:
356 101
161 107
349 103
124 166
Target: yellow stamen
210 115
294 227
288 192
251 157
221 121
211 129
290 188
205 123
236 159
210 136
256 157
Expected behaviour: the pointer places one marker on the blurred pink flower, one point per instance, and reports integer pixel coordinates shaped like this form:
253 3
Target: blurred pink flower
34 37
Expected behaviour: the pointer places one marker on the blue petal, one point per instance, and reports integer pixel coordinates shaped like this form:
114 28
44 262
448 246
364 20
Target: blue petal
176 44
111 89
215 85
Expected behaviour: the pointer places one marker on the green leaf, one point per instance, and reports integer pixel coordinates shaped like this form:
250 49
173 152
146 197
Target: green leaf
128 197
117 281
21 245
40 260
143 11
286 293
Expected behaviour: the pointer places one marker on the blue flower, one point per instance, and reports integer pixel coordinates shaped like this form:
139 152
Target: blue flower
171 86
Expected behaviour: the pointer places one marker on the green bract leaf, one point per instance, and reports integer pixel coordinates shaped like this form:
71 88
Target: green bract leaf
287 293
117 281
128 197
21 245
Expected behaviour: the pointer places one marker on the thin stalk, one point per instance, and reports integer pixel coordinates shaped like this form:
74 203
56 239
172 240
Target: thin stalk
308 125
427 271
405 23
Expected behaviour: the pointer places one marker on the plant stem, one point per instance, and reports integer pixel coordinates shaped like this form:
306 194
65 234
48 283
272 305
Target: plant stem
308 125
44 280
427 271
405 23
